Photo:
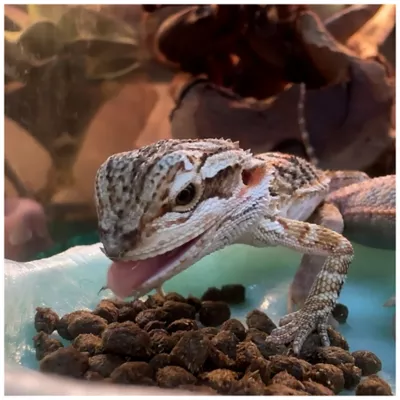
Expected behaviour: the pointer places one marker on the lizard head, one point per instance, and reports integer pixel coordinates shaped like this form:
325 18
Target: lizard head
163 207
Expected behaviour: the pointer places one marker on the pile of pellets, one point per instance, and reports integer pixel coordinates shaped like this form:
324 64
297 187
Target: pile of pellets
193 344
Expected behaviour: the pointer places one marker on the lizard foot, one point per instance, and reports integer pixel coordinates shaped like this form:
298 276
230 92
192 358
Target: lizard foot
297 326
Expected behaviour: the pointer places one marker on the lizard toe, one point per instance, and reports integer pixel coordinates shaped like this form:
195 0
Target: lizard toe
322 328
287 318
297 327
284 334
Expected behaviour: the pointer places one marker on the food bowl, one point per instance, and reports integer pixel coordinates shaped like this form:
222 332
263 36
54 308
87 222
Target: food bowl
71 281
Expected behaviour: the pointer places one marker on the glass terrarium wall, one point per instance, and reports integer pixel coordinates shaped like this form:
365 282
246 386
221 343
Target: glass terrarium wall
84 82
76 92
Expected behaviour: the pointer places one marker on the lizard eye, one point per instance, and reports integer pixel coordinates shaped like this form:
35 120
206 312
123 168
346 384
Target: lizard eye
186 196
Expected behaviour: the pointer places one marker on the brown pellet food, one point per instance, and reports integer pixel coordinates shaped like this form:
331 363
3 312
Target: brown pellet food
295 367
183 324
245 353
259 320
367 361
351 375
340 313
177 336
194 302
104 364
210 331
154 301
226 342
118 302
277 389
129 311
149 316
46 320
192 351
263 367
316 389
214 313
136 372
64 322
329 376
107 310
45 344
126 339
267 349
373 386
219 360
233 294
221 380
160 361
333 355
93 376
288 380
255 335
193 344
86 323
86 342
162 341
177 310
173 296
250 385
173 376
312 345
234 326
65 361
337 339
212 294
154 325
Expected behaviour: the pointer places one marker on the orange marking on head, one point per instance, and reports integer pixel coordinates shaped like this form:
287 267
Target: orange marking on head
252 177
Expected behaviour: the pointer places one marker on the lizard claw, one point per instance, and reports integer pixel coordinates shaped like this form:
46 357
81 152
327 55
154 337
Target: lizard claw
102 289
296 327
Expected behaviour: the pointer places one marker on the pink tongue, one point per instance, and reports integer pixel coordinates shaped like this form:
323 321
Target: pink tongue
124 277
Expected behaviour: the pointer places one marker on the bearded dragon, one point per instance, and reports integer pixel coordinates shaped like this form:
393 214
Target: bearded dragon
163 207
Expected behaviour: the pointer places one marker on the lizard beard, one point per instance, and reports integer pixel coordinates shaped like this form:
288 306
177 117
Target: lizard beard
126 277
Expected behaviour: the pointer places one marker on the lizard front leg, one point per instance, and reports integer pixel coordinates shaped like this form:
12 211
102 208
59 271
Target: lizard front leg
317 240
329 216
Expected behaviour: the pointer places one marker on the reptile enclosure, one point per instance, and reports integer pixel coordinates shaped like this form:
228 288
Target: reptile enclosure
85 82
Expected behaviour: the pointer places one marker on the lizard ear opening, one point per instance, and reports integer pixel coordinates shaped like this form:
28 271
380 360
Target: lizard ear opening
253 176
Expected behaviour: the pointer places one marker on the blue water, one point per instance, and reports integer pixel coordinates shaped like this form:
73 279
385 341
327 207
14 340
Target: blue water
266 273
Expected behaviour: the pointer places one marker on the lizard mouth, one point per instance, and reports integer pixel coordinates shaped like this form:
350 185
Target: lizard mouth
127 277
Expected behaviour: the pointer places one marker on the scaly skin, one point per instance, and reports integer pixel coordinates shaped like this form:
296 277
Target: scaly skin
206 195
363 211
